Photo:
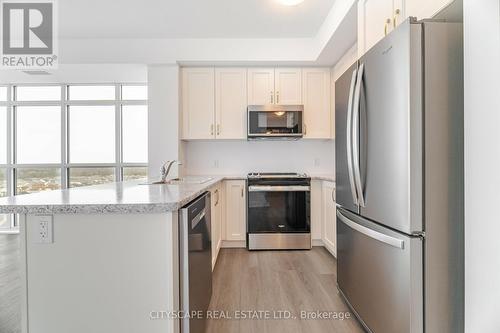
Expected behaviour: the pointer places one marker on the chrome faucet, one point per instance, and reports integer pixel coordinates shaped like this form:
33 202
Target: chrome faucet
165 169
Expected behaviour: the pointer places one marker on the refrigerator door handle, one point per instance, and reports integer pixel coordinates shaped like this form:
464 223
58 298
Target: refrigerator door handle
389 240
349 137
355 135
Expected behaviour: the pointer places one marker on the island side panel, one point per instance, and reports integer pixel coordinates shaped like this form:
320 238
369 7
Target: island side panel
103 273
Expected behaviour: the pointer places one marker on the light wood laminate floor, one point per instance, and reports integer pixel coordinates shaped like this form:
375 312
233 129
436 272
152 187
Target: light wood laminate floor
291 281
10 287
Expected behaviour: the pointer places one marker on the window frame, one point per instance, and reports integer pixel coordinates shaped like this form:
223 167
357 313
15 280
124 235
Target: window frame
64 165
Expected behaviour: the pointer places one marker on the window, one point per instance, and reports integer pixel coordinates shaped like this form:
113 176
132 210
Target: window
92 93
38 93
133 173
92 134
90 176
135 133
134 93
60 136
38 134
4 219
32 180
3 135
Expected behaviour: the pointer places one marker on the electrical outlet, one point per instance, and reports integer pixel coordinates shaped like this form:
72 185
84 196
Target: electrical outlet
45 229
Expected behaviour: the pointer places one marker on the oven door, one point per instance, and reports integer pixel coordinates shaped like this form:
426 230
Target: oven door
279 209
274 122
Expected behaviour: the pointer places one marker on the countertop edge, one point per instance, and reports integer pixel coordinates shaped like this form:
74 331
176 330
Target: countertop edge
125 208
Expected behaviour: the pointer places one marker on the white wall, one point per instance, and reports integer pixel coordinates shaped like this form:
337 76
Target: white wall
241 157
81 73
163 106
482 161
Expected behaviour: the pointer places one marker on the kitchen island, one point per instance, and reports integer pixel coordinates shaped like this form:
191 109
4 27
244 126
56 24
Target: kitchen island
102 258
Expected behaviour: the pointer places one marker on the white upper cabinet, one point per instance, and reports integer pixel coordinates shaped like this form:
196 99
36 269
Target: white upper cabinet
260 86
377 18
426 8
288 86
198 103
230 103
274 86
214 100
316 98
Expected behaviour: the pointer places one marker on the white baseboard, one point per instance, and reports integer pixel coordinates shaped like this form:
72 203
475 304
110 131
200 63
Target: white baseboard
330 249
233 244
317 242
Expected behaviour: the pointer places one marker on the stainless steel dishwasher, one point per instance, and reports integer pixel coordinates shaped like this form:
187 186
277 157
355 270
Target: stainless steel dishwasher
195 263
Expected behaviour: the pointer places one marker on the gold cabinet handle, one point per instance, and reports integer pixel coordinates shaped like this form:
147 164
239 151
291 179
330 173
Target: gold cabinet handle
397 12
277 97
242 192
386 26
218 129
212 129
272 97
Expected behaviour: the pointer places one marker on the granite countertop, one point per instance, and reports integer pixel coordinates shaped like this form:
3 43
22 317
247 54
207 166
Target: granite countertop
122 197
326 177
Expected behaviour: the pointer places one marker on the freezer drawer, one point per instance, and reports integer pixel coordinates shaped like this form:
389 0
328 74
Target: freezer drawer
379 272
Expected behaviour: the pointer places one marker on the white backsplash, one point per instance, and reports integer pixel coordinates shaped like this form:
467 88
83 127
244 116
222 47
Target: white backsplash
241 157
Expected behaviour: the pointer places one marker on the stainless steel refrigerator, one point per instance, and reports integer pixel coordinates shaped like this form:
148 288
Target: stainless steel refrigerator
399 174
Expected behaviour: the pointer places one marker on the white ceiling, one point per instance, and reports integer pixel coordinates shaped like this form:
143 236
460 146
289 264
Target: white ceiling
190 18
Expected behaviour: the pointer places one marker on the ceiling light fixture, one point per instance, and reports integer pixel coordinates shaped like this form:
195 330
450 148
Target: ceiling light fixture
290 2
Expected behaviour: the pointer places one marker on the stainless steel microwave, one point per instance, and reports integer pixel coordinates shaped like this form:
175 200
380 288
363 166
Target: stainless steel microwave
275 121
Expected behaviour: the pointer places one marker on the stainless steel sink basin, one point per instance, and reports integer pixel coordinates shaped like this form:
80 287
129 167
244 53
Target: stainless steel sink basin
186 180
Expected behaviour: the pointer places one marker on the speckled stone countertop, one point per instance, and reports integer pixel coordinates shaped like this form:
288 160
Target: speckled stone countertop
115 198
124 197
327 177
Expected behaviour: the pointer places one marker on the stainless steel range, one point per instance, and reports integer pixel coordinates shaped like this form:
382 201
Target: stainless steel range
278 211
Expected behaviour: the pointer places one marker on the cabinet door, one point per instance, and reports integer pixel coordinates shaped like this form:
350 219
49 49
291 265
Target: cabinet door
423 9
316 210
215 222
288 86
329 218
399 12
317 111
198 103
374 22
230 103
235 210
260 86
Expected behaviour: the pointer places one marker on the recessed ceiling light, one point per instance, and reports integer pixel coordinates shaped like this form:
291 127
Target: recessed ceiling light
290 2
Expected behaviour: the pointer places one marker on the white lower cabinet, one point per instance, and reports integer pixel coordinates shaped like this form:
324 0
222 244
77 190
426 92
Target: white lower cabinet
317 212
216 207
329 217
235 209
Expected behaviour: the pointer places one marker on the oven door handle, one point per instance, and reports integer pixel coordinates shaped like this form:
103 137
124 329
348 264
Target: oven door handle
272 188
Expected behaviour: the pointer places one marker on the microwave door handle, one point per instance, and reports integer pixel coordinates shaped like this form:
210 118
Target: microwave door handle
349 137
389 240
355 136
